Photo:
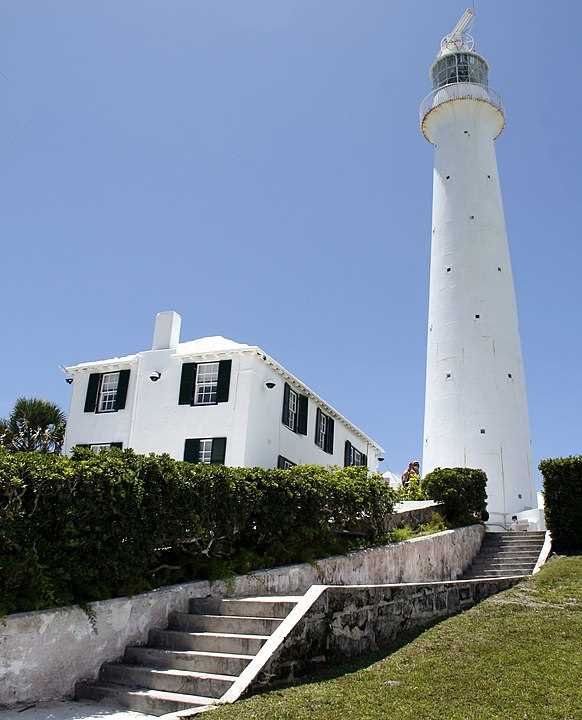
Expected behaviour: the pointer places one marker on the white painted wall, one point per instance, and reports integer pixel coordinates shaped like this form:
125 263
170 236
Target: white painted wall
153 421
478 353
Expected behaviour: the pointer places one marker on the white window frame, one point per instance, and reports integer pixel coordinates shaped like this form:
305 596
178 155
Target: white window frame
108 388
206 383
286 463
205 451
322 430
357 457
293 410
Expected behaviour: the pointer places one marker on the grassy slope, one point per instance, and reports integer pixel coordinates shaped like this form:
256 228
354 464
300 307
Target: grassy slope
516 655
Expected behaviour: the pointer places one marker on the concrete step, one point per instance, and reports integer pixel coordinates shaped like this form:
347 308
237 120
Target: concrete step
513 541
208 662
240 625
166 679
481 564
511 569
272 607
509 547
207 641
150 702
472 574
510 554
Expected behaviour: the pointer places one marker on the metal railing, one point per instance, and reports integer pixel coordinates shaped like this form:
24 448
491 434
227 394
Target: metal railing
459 91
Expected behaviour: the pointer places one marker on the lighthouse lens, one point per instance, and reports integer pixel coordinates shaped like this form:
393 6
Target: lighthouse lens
459 67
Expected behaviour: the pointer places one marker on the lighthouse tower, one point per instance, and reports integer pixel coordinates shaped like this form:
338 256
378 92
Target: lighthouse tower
476 407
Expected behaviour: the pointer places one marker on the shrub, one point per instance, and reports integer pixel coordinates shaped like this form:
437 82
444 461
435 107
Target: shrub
413 490
462 492
563 501
95 526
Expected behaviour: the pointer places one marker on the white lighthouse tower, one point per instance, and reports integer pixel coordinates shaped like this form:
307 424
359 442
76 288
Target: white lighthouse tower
476 407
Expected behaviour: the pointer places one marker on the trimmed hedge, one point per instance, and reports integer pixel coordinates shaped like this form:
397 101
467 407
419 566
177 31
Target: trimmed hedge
563 501
463 492
95 526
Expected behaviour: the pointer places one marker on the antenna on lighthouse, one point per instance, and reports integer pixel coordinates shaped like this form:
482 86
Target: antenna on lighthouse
459 39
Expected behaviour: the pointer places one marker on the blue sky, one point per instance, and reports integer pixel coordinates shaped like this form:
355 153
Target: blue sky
257 166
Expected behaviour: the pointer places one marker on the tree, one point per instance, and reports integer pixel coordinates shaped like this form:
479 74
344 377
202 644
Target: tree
33 425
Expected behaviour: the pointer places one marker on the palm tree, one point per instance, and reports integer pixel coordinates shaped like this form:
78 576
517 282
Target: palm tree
33 425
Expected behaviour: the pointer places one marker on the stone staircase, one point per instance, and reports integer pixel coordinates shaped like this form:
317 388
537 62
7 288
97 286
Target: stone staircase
195 661
506 554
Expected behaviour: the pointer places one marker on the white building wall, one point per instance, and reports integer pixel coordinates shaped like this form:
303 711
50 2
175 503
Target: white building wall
251 420
470 359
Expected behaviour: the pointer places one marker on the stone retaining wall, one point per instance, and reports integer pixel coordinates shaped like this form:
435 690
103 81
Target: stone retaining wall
349 621
43 654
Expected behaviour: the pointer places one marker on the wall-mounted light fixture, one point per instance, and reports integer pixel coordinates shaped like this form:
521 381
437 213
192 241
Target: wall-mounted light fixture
270 384
155 376
69 381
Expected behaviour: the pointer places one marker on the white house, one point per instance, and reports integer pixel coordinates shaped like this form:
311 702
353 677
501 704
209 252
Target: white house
210 400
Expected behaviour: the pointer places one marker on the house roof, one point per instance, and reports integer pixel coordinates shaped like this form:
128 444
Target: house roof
216 345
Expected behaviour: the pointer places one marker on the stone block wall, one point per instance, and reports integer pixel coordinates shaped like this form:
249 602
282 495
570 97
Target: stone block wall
349 621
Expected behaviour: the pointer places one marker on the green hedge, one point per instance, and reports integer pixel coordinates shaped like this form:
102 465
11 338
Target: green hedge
563 501
463 492
96 526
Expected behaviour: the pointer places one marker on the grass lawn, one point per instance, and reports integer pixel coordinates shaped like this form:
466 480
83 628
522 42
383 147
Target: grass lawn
517 655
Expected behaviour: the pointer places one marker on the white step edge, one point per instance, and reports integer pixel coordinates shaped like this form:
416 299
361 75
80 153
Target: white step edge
544 554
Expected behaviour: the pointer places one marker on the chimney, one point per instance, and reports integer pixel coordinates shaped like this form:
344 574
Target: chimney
167 330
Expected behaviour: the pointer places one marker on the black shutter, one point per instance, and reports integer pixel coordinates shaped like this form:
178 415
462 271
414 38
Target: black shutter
285 416
223 386
187 384
303 406
122 385
92 390
348 454
192 450
218 451
116 444
281 462
329 436
364 460
317 422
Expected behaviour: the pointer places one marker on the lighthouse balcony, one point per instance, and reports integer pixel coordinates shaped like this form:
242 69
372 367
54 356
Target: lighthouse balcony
458 91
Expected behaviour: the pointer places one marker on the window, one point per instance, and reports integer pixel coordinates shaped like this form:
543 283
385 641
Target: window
292 415
207 451
107 392
206 386
205 383
295 410
99 446
353 457
321 431
324 431
283 463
